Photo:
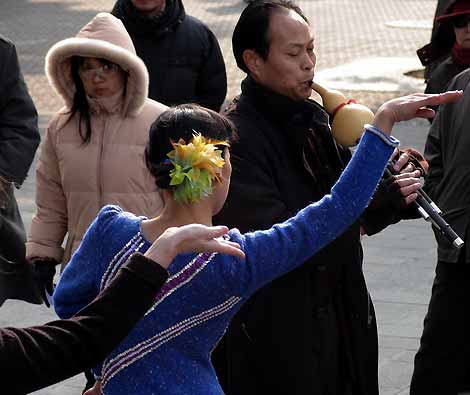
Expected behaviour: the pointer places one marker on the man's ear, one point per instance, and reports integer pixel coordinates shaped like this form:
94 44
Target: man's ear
253 61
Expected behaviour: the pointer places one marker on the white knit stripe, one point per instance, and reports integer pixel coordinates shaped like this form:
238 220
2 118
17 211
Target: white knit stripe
135 248
179 274
116 262
165 332
116 258
137 352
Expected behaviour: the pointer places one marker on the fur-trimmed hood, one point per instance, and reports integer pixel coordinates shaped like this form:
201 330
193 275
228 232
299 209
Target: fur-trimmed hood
103 37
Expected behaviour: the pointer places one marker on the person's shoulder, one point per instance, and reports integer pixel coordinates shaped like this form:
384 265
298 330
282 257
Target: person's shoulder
442 69
112 218
460 81
153 107
7 48
198 31
241 109
112 212
58 122
236 236
195 23
5 42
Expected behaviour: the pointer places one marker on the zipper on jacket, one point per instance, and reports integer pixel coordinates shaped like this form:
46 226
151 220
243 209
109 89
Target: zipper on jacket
100 164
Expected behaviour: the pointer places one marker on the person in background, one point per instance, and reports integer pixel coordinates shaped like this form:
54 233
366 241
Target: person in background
93 152
19 139
33 358
441 42
312 331
441 363
457 15
181 53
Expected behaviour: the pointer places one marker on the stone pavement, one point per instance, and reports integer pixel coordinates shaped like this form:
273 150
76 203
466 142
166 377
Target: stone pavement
351 37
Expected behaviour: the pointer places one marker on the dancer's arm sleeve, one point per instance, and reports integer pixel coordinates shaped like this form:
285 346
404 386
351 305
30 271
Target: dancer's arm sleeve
283 247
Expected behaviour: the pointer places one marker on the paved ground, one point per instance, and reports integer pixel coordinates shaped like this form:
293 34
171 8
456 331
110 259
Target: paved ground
399 263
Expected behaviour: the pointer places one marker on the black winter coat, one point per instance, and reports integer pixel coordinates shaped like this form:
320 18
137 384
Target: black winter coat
448 180
19 139
19 135
313 329
182 55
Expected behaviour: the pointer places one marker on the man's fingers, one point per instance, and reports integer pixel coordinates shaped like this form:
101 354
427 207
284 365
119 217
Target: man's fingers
401 161
411 198
408 189
412 175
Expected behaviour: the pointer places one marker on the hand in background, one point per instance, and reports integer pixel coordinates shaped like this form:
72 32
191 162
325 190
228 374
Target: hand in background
95 390
44 271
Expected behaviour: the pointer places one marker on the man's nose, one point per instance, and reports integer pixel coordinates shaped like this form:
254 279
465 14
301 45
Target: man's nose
310 61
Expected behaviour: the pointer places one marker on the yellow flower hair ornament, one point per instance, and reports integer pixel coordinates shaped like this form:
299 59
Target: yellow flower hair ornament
196 164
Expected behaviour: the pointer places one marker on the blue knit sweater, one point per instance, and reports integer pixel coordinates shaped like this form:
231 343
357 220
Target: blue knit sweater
168 351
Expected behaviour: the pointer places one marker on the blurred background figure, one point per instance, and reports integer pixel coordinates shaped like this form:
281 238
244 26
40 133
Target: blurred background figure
441 364
454 25
441 41
93 149
19 139
182 54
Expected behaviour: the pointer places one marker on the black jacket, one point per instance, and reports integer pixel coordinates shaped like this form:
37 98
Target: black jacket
36 357
441 75
182 55
19 135
19 139
448 181
442 41
308 331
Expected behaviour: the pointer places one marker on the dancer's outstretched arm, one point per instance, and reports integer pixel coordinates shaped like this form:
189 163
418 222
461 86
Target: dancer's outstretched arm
280 249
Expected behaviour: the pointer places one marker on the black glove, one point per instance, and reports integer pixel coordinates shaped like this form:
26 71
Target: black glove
44 271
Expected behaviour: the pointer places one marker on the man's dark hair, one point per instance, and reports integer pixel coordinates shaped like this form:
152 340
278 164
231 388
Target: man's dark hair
252 29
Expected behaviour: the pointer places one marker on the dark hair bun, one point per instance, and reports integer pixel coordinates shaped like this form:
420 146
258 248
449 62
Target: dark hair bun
160 171
181 122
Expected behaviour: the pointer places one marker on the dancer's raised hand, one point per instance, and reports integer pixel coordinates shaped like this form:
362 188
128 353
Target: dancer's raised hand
411 106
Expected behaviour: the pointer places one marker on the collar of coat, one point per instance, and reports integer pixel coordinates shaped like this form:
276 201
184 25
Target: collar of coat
282 109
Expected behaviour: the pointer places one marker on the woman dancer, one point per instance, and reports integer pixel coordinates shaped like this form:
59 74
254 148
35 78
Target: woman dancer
168 352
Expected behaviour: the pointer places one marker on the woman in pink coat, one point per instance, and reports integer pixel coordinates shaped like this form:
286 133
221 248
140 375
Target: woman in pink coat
93 150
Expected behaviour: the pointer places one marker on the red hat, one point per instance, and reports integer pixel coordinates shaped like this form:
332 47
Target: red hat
457 8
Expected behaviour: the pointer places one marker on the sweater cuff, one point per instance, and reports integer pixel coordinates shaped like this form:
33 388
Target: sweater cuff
389 140
146 269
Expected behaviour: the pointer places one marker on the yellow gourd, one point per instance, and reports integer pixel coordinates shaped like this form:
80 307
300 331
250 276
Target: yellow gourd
349 117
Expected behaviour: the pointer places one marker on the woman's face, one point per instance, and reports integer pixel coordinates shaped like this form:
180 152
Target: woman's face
149 7
101 79
462 30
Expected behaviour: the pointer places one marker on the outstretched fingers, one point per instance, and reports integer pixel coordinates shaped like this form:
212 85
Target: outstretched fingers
224 247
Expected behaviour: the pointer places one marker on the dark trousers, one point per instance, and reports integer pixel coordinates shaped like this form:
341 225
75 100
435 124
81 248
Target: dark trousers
442 362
